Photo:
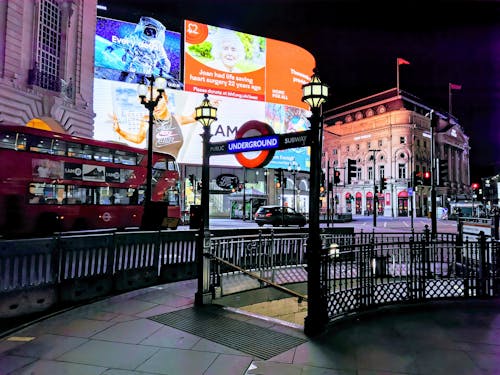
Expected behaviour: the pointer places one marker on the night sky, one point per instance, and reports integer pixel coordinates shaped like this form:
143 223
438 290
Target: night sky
356 44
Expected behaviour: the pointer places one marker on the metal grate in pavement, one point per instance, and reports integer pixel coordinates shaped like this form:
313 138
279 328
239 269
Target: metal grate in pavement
210 323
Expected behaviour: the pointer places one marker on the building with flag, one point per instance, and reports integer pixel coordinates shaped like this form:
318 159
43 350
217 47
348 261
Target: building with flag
390 138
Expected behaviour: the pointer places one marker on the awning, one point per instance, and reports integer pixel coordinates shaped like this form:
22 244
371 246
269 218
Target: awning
249 194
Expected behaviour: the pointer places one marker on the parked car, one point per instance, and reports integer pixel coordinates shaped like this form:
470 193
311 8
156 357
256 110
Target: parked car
277 215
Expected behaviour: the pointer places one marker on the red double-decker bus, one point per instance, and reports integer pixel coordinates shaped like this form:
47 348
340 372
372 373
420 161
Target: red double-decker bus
52 182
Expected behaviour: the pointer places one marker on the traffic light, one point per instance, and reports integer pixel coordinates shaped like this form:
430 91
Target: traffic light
198 186
192 179
383 184
336 176
417 179
322 181
427 178
475 187
443 172
352 170
277 177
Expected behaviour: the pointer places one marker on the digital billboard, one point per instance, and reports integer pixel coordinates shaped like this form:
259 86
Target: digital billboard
247 78
230 63
127 52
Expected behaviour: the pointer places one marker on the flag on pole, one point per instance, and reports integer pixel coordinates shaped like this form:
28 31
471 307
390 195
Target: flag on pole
399 61
452 86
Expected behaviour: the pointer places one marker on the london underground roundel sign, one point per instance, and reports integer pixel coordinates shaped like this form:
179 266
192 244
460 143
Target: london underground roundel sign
254 159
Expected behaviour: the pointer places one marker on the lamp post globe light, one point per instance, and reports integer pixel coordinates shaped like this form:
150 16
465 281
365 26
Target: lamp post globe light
149 217
205 114
315 94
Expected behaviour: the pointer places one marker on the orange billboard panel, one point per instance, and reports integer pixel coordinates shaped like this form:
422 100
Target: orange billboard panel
288 67
230 63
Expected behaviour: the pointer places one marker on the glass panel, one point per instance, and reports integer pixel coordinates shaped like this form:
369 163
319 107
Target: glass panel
8 140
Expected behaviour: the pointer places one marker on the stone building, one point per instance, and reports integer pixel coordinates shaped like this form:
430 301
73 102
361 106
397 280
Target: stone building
46 64
389 136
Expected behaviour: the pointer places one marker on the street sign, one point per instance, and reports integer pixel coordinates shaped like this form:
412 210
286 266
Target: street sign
410 191
268 142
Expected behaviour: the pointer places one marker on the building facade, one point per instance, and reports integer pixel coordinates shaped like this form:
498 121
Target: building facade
389 137
46 64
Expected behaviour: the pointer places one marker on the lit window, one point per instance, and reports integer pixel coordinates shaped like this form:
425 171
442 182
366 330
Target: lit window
48 46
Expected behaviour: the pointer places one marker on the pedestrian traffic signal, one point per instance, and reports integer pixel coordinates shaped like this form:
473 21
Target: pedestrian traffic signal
427 180
352 170
443 172
417 179
383 184
336 176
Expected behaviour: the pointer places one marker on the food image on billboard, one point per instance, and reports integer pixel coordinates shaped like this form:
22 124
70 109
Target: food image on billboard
127 52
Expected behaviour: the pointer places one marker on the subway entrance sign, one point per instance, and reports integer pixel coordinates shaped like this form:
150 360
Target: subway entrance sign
274 142
255 144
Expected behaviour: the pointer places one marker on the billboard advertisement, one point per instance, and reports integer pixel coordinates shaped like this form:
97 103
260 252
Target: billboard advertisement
230 63
127 52
253 78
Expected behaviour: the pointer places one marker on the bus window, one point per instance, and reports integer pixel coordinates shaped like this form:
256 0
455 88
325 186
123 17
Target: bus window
35 193
102 154
75 150
58 147
40 144
126 158
8 140
173 166
173 197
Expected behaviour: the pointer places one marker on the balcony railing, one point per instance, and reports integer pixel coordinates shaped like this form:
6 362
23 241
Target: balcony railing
44 80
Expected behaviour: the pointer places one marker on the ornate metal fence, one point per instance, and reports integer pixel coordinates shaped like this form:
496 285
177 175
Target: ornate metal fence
380 271
359 270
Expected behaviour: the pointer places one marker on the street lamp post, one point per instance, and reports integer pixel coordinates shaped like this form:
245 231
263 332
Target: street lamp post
294 168
315 94
244 193
160 83
375 196
206 114
434 121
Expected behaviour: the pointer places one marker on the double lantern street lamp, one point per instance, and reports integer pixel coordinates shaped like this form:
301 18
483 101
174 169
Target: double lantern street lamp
205 114
149 217
315 94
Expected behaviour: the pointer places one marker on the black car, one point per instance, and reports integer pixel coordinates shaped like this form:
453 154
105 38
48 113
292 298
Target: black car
276 215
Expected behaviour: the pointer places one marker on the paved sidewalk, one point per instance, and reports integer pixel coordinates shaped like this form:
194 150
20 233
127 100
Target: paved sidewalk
158 331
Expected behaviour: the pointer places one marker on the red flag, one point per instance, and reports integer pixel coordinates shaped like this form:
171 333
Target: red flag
402 61
455 87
